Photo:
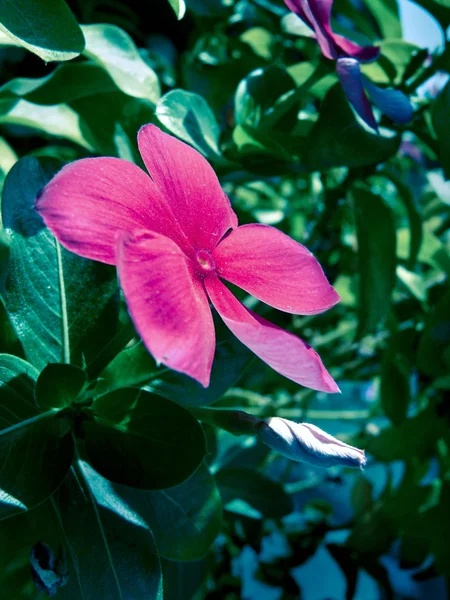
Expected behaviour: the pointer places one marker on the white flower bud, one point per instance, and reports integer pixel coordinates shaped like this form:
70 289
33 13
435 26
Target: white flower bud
307 443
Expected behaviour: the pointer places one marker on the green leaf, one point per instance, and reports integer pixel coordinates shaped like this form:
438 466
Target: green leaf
142 440
47 28
375 229
35 449
58 385
266 496
134 366
433 353
189 117
59 120
111 551
396 372
185 519
337 139
416 436
414 217
116 52
231 359
66 83
67 293
441 124
258 92
179 8
386 14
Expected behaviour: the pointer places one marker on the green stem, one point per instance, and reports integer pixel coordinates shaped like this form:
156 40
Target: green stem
28 422
236 422
64 315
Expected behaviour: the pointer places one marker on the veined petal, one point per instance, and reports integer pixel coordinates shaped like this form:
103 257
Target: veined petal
281 350
349 73
393 103
167 304
189 185
307 443
274 268
92 200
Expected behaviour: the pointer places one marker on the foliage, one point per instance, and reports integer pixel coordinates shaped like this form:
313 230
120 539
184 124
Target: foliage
110 487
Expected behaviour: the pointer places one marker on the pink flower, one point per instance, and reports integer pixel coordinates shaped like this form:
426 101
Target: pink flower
348 56
173 237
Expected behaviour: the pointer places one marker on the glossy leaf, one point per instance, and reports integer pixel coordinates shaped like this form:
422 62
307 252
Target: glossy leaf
58 385
179 8
189 117
142 440
47 28
111 552
114 49
375 228
66 83
68 293
59 120
35 449
184 519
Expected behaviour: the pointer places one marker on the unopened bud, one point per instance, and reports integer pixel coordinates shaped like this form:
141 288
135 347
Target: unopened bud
307 443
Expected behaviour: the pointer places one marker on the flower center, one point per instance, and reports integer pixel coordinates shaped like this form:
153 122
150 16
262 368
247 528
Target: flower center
205 262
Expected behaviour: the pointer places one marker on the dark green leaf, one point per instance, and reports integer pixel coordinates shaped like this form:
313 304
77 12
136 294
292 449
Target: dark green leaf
47 28
67 292
35 449
58 385
266 496
143 440
337 139
184 519
68 82
375 228
441 124
433 354
112 553
396 372
258 92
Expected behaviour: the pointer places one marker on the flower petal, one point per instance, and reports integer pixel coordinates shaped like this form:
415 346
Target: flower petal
307 443
189 185
362 53
303 8
392 103
283 351
91 200
168 305
349 73
273 267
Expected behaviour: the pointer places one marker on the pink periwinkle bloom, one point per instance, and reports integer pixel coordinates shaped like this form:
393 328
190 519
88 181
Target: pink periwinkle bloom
307 443
174 237
348 56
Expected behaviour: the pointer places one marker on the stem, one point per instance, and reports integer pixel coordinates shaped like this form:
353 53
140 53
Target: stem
64 315
236 422
28 422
